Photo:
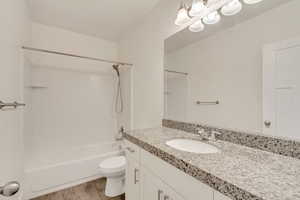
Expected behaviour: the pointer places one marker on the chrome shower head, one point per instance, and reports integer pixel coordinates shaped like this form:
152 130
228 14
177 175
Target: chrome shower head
116 67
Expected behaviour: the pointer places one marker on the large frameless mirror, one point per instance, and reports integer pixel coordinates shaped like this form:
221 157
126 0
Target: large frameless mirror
237 67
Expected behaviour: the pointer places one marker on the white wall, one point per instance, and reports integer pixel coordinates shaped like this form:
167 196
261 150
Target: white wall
76 107
143 46
63 40
74 110
227 66
14 33
176 90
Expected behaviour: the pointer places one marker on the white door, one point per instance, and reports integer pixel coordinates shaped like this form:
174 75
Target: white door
11 145
281 89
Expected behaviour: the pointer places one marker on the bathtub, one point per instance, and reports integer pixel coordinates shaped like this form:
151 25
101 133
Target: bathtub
56 170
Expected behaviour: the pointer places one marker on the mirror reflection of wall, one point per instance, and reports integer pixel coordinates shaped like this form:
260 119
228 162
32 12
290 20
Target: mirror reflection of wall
225 62
176 91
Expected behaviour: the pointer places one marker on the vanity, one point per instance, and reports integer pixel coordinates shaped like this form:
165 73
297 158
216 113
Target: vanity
236 85
158 171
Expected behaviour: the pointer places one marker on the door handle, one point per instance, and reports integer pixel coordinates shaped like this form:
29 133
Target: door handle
135 176
130 149
14 105
159 194
268 124
10 189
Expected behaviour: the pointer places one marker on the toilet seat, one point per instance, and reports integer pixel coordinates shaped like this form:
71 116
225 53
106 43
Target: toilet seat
114 164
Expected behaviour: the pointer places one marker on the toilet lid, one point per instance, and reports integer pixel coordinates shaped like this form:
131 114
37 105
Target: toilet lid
114 163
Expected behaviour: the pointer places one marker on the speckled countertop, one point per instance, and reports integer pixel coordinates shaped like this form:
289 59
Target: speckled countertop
239 172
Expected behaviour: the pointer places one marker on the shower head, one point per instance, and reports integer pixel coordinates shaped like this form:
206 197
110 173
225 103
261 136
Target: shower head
116 67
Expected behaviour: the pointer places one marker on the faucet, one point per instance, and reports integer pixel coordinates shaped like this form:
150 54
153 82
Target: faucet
213 135
205 135
202 133
120 134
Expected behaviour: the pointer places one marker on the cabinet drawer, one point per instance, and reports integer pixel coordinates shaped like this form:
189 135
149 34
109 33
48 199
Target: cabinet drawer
132 151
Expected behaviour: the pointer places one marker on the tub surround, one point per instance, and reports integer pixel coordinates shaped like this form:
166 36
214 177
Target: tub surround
239 172
262 142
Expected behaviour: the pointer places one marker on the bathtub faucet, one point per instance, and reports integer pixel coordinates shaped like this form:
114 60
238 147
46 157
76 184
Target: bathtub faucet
120 134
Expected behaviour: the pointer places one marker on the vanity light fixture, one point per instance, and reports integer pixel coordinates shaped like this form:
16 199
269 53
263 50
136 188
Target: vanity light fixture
182 15
232 8
198 8
199 11
252 1
212 18
197 26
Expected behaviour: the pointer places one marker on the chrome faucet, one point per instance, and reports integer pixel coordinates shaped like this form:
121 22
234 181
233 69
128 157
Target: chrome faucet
213 135
202 133
120 134
205 135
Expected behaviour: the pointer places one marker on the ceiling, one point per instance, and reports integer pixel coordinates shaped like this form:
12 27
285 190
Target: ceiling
106 19
186 37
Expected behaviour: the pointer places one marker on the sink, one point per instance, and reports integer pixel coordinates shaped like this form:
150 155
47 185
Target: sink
192 146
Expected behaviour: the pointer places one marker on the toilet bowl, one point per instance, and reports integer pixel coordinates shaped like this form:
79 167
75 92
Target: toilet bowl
114 170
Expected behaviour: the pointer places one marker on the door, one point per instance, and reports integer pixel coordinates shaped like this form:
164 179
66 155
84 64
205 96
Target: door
11 145
281 89
219 196
132 179
152 188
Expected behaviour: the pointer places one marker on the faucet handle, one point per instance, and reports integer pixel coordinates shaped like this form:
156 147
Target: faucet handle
200 130
213 135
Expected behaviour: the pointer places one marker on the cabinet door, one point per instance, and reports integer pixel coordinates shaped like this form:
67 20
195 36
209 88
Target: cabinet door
152 188
219 196
132 187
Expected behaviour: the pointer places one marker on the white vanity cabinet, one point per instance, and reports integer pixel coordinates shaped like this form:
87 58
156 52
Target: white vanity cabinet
132 186
153 188
150 178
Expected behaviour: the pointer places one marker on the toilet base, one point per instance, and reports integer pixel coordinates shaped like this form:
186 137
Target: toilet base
115 186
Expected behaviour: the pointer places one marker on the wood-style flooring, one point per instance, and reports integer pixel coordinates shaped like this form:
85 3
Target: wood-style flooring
93 190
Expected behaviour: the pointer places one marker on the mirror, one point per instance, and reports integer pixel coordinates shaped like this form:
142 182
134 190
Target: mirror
242 73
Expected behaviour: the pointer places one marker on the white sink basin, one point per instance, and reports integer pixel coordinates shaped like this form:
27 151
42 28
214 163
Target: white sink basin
192 146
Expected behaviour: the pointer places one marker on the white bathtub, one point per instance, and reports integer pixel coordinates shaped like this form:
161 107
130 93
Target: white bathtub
53 171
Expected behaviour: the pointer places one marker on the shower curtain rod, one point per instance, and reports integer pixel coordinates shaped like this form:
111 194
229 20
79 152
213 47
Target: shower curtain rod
75 56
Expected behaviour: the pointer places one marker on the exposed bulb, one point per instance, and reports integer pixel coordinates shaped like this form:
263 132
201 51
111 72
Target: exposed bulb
232 8
182 16
252 1
197 26
198 8
212 18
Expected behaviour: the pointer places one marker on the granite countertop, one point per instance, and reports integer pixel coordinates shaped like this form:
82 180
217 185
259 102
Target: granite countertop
239 172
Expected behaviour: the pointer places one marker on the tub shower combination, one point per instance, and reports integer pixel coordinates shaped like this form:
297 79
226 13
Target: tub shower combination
81 142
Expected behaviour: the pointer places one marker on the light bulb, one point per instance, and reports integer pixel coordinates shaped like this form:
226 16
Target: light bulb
231 8
198 8
252 1
212 18
197 26
182 16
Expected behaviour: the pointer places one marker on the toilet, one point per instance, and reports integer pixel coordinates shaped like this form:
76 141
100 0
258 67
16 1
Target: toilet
114 170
